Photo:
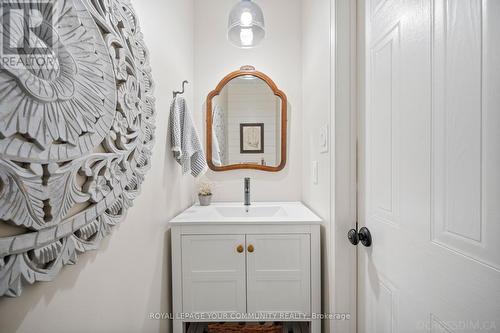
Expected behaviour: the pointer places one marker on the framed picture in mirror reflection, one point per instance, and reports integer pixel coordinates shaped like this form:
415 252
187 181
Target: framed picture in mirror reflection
252 138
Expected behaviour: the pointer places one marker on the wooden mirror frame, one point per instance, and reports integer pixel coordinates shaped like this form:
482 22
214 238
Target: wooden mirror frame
244 71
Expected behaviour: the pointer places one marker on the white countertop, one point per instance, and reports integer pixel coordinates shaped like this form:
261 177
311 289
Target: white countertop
257 213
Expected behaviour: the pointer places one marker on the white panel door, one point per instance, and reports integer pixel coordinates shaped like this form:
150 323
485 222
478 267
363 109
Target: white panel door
213 273
430 166
278 273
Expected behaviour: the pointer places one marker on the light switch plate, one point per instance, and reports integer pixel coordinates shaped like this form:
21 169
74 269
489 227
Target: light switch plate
323 139
314 172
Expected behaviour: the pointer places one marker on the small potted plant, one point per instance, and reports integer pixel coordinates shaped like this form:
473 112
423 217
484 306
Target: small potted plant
205 194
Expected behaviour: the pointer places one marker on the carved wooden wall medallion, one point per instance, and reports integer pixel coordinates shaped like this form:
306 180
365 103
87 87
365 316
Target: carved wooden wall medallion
76 133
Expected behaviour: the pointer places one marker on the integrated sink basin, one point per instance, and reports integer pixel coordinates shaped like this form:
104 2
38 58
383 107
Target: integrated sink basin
268 212
251 211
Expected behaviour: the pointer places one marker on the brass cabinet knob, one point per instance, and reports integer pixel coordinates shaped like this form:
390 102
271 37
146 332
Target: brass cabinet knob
240 249
251 248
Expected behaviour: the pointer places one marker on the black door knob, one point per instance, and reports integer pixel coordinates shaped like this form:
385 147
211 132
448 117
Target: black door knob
364 236
353 236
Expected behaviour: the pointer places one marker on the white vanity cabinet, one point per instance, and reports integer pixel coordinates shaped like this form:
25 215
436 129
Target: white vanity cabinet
213 273
279 273
251 265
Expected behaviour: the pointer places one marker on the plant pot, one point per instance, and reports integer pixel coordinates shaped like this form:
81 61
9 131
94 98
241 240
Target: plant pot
205 200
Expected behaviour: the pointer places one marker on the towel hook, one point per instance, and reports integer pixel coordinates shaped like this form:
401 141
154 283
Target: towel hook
183 88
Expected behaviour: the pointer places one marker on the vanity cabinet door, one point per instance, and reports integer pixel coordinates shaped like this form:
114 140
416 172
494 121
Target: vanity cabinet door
213 273
278 273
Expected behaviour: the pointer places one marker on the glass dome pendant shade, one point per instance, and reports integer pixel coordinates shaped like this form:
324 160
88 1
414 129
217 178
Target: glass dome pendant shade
246 24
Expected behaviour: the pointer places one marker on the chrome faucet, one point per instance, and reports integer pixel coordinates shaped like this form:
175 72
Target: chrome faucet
247 191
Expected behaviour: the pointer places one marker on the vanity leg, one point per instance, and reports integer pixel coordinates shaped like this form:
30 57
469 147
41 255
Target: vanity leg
178 326
316 277
315 326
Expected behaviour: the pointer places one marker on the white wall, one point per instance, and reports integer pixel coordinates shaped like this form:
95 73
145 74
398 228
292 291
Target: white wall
329 97
317 109
114 289
279 56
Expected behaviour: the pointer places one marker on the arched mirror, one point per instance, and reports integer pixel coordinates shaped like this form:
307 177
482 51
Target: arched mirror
246 123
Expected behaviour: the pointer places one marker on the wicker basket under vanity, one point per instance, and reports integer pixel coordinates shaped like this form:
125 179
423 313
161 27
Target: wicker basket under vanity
245 328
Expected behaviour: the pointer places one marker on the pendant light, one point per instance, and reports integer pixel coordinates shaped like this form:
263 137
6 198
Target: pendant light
246 25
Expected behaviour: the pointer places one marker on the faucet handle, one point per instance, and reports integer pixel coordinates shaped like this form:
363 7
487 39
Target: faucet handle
246 190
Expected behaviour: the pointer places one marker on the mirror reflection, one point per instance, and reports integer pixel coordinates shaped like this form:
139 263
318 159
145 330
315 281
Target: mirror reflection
246 124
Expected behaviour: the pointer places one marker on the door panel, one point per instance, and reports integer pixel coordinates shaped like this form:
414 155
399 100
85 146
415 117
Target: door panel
429 166
278 273
213 273
462 131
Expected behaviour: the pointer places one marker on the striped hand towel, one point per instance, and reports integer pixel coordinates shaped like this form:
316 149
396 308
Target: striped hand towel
186 146
218 135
